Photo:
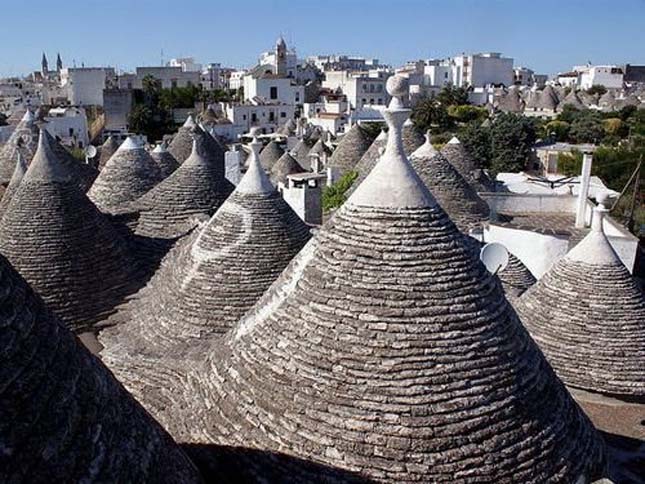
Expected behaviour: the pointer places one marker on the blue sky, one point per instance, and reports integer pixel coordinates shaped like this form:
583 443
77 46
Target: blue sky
547 35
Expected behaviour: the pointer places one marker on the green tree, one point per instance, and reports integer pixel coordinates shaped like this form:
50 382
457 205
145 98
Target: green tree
598 89
452 96
512 139
557 130
587 129
141 119
477 140
373 129
334 195
465 113
615 127
429 114
569 114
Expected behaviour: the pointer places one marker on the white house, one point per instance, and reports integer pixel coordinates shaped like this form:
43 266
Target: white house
361 88
267 88
610 76
187 64
167 76
343 62
267 117
236 79
85 84
479 70
69 124
568 79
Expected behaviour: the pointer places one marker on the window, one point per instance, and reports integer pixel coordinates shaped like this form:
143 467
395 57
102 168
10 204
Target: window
371 100
371 87
379 88
297 97
380 100
365 88
254 118
273 92
71 131
283 114
173 83
445 75
271 116
364 100
244 117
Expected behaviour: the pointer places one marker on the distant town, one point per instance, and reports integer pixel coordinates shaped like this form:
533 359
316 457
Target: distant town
330 91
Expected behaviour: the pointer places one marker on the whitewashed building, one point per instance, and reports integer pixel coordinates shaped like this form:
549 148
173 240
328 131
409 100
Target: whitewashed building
267 117
609 76
85 85
69 124
187 64
361 88
479 70
167 76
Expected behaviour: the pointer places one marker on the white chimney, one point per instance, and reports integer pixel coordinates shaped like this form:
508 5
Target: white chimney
585 177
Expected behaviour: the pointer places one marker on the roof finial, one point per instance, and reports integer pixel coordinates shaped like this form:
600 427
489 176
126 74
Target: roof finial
599 212
393 183
255 180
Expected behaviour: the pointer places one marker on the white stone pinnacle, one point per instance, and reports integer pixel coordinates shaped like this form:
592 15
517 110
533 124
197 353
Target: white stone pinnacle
595 248
255 180
426 150
393 183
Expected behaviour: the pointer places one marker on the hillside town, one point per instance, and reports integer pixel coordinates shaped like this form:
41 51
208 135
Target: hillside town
322 268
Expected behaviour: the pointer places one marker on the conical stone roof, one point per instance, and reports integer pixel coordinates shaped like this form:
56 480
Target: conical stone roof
516 278
23 140
412 140
511 101
301 152
64 416
412 137
372 155
128 175
286 165
181 145
607 101
572 99
108 148
165 161
62 245
458 199
548 99
455 152
588 316
351 148
197 188
319 149
386 350
18 173
83 173
270 155
210 280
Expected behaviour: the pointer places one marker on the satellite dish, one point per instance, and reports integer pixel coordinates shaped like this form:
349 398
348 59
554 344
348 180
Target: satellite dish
494 256
90 151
